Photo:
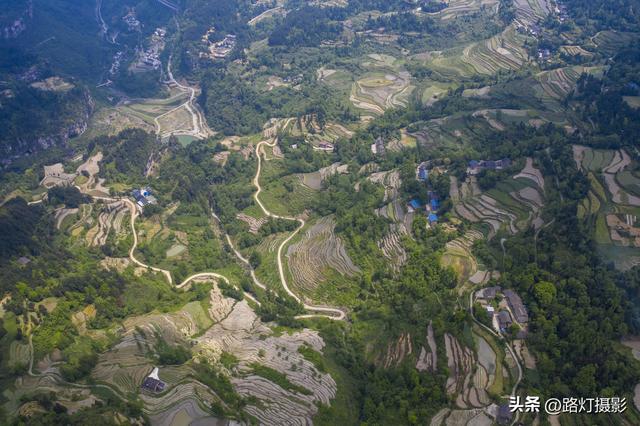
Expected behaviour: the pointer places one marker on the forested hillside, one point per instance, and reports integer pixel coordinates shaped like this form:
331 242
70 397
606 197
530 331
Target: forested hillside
330 212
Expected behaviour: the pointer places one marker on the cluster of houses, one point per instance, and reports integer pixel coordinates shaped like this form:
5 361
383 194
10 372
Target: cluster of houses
218 49
507 311
150 58
293 80
143 197
533 30
132 21
433 205
476 166
431 208
561 11
152 382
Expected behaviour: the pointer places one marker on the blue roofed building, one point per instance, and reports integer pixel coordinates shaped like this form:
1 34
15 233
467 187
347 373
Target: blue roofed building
143 197
435 204
433 218
415 204
423 174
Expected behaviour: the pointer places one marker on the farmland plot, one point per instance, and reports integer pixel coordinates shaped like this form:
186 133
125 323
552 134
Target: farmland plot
377 92
610 41
110 219
457 8
458 255
391 246
428 358
252 342
512 205
314 180
504 51
558 83
529 12
319 249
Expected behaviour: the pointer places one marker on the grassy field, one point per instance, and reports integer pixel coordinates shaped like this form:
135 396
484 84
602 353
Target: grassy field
283 195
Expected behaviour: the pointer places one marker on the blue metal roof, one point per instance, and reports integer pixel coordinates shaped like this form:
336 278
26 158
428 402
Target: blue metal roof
415 204
433 217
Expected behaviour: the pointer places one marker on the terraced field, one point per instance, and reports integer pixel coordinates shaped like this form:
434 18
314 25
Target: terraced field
314 180
241 333
391 246
529 12
476 378
254 224
434 91
612 206
110 219
504 51
558 83
318 250
513 205
308 127
469 386
612 166
571 50
609 41
457 8
377 92
458 255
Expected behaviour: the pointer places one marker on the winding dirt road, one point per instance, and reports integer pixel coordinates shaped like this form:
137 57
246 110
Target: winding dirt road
332 313
199 123
317 311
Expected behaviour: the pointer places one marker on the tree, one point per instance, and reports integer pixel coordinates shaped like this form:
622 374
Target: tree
545 292
255 259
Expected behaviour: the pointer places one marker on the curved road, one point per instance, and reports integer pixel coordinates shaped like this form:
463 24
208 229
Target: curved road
332 313
200 127
325 312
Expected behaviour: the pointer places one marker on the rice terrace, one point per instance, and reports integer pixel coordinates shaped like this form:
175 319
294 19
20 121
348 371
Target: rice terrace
327 212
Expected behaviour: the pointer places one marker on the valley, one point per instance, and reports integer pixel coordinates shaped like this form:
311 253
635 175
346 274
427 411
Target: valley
343 212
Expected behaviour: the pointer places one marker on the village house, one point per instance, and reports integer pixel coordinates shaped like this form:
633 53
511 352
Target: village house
422 172
143 197
132 22
491 311
504 320
324 146
476 167
24 261
544 54
152 382
378 147
414 205
516 306
488 293
222 49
